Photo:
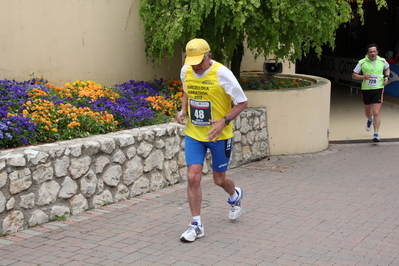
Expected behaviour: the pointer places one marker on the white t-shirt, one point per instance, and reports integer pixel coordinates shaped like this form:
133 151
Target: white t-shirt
226 79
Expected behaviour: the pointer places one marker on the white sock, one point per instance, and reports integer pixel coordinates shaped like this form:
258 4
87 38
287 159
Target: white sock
234 197
197 219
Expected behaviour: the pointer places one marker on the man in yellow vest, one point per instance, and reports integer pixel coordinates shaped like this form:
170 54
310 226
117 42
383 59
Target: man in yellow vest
212 99
374 71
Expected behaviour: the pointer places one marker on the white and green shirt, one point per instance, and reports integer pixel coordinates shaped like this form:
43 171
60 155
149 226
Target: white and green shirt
375 69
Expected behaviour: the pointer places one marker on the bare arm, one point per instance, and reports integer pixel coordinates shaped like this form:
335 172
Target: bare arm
358 76
236 110
387 72
182 114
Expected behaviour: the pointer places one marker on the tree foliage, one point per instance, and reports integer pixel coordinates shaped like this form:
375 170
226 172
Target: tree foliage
288 29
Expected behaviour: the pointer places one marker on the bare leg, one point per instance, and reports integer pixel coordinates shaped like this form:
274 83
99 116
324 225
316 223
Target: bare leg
194 192
368 111
377 118
222 180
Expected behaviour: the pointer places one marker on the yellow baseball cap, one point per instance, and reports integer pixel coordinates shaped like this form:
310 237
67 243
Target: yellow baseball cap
195 50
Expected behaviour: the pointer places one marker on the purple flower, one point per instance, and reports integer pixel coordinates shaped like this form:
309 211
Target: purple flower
3 126
15 129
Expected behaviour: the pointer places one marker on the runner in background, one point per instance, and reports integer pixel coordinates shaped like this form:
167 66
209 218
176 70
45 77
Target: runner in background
374 71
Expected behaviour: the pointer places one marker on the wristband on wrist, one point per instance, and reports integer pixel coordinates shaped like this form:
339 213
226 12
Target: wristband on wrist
226 120
386 76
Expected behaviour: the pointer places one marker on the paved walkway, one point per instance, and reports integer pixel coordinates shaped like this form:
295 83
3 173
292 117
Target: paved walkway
336 207
347 119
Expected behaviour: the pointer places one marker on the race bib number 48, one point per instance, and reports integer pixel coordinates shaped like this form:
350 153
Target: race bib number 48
200 112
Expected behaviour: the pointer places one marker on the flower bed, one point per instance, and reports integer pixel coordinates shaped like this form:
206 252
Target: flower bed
35 111
260 81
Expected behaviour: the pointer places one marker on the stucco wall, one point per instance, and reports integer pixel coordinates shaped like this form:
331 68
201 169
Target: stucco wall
63 41
298 119
100 40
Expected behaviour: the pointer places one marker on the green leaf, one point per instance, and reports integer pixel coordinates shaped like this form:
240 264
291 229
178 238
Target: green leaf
287 28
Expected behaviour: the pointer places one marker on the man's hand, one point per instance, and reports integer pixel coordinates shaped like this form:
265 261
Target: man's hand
180 117
386 81
217 128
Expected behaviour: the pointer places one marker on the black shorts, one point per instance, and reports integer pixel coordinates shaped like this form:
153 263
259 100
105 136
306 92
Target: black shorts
372 96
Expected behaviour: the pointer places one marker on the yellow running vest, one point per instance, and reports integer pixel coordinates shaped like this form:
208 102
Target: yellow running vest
207 100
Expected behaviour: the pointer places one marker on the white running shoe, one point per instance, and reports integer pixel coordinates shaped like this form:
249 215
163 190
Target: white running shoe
376 138
195 231
235 206
368 124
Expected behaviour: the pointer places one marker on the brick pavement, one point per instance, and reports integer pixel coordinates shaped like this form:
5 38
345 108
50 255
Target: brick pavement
337 207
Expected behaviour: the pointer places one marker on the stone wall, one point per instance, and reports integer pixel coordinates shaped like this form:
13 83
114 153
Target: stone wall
38 183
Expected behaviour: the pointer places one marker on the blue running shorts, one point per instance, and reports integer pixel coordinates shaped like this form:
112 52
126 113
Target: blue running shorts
221 152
